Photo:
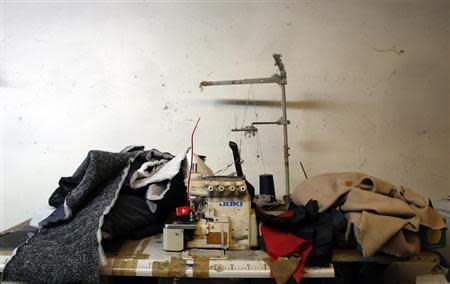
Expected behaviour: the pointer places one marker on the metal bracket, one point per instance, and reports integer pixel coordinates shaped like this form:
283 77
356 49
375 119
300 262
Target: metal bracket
280 121
281 80
250 129
267 80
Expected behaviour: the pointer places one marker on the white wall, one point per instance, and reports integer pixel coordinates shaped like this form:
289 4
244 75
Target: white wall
81 76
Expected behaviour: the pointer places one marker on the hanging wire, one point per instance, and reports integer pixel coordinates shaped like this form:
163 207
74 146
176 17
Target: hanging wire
235 106
250 91
259 154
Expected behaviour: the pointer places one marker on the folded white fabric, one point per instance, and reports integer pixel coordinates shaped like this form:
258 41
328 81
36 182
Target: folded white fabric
157 180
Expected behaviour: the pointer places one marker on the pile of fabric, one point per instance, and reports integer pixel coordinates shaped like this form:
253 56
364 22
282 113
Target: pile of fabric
345 210
302 232
381 216
110 196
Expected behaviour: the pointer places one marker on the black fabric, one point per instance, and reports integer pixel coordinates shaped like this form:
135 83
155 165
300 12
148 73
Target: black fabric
90 175
324 230
131 219
69 251
132 148
56 216
175 197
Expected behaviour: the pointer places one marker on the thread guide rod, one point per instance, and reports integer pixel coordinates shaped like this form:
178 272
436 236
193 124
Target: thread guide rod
280 79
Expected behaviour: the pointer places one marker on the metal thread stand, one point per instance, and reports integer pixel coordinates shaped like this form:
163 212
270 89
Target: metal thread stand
280 79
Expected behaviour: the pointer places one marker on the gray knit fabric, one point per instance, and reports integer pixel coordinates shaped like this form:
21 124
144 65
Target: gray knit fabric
68 251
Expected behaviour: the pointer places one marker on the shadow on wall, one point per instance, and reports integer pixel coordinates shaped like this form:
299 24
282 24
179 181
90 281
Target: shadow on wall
315 146
297 104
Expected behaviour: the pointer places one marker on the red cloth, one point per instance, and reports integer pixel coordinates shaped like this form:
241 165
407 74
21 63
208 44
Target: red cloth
287 215
282 244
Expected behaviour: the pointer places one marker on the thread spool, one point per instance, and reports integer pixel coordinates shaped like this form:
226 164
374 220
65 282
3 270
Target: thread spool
266 185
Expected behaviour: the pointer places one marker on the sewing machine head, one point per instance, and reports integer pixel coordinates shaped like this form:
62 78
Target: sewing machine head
221 217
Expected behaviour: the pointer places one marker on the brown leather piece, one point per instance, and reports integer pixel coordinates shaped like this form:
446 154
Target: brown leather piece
283 268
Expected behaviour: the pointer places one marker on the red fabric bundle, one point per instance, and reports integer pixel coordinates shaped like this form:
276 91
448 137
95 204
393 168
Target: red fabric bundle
284 244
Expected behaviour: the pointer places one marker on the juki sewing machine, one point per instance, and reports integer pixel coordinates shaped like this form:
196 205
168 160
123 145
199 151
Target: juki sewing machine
222 216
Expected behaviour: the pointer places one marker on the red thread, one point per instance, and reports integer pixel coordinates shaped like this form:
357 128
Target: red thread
192 159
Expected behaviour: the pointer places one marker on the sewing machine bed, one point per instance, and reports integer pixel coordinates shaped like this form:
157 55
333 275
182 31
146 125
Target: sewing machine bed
146 257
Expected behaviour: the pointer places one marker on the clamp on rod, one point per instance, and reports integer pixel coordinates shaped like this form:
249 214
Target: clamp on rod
251 129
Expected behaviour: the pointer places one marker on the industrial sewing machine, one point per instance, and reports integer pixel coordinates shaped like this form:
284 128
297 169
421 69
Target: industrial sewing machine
222 216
